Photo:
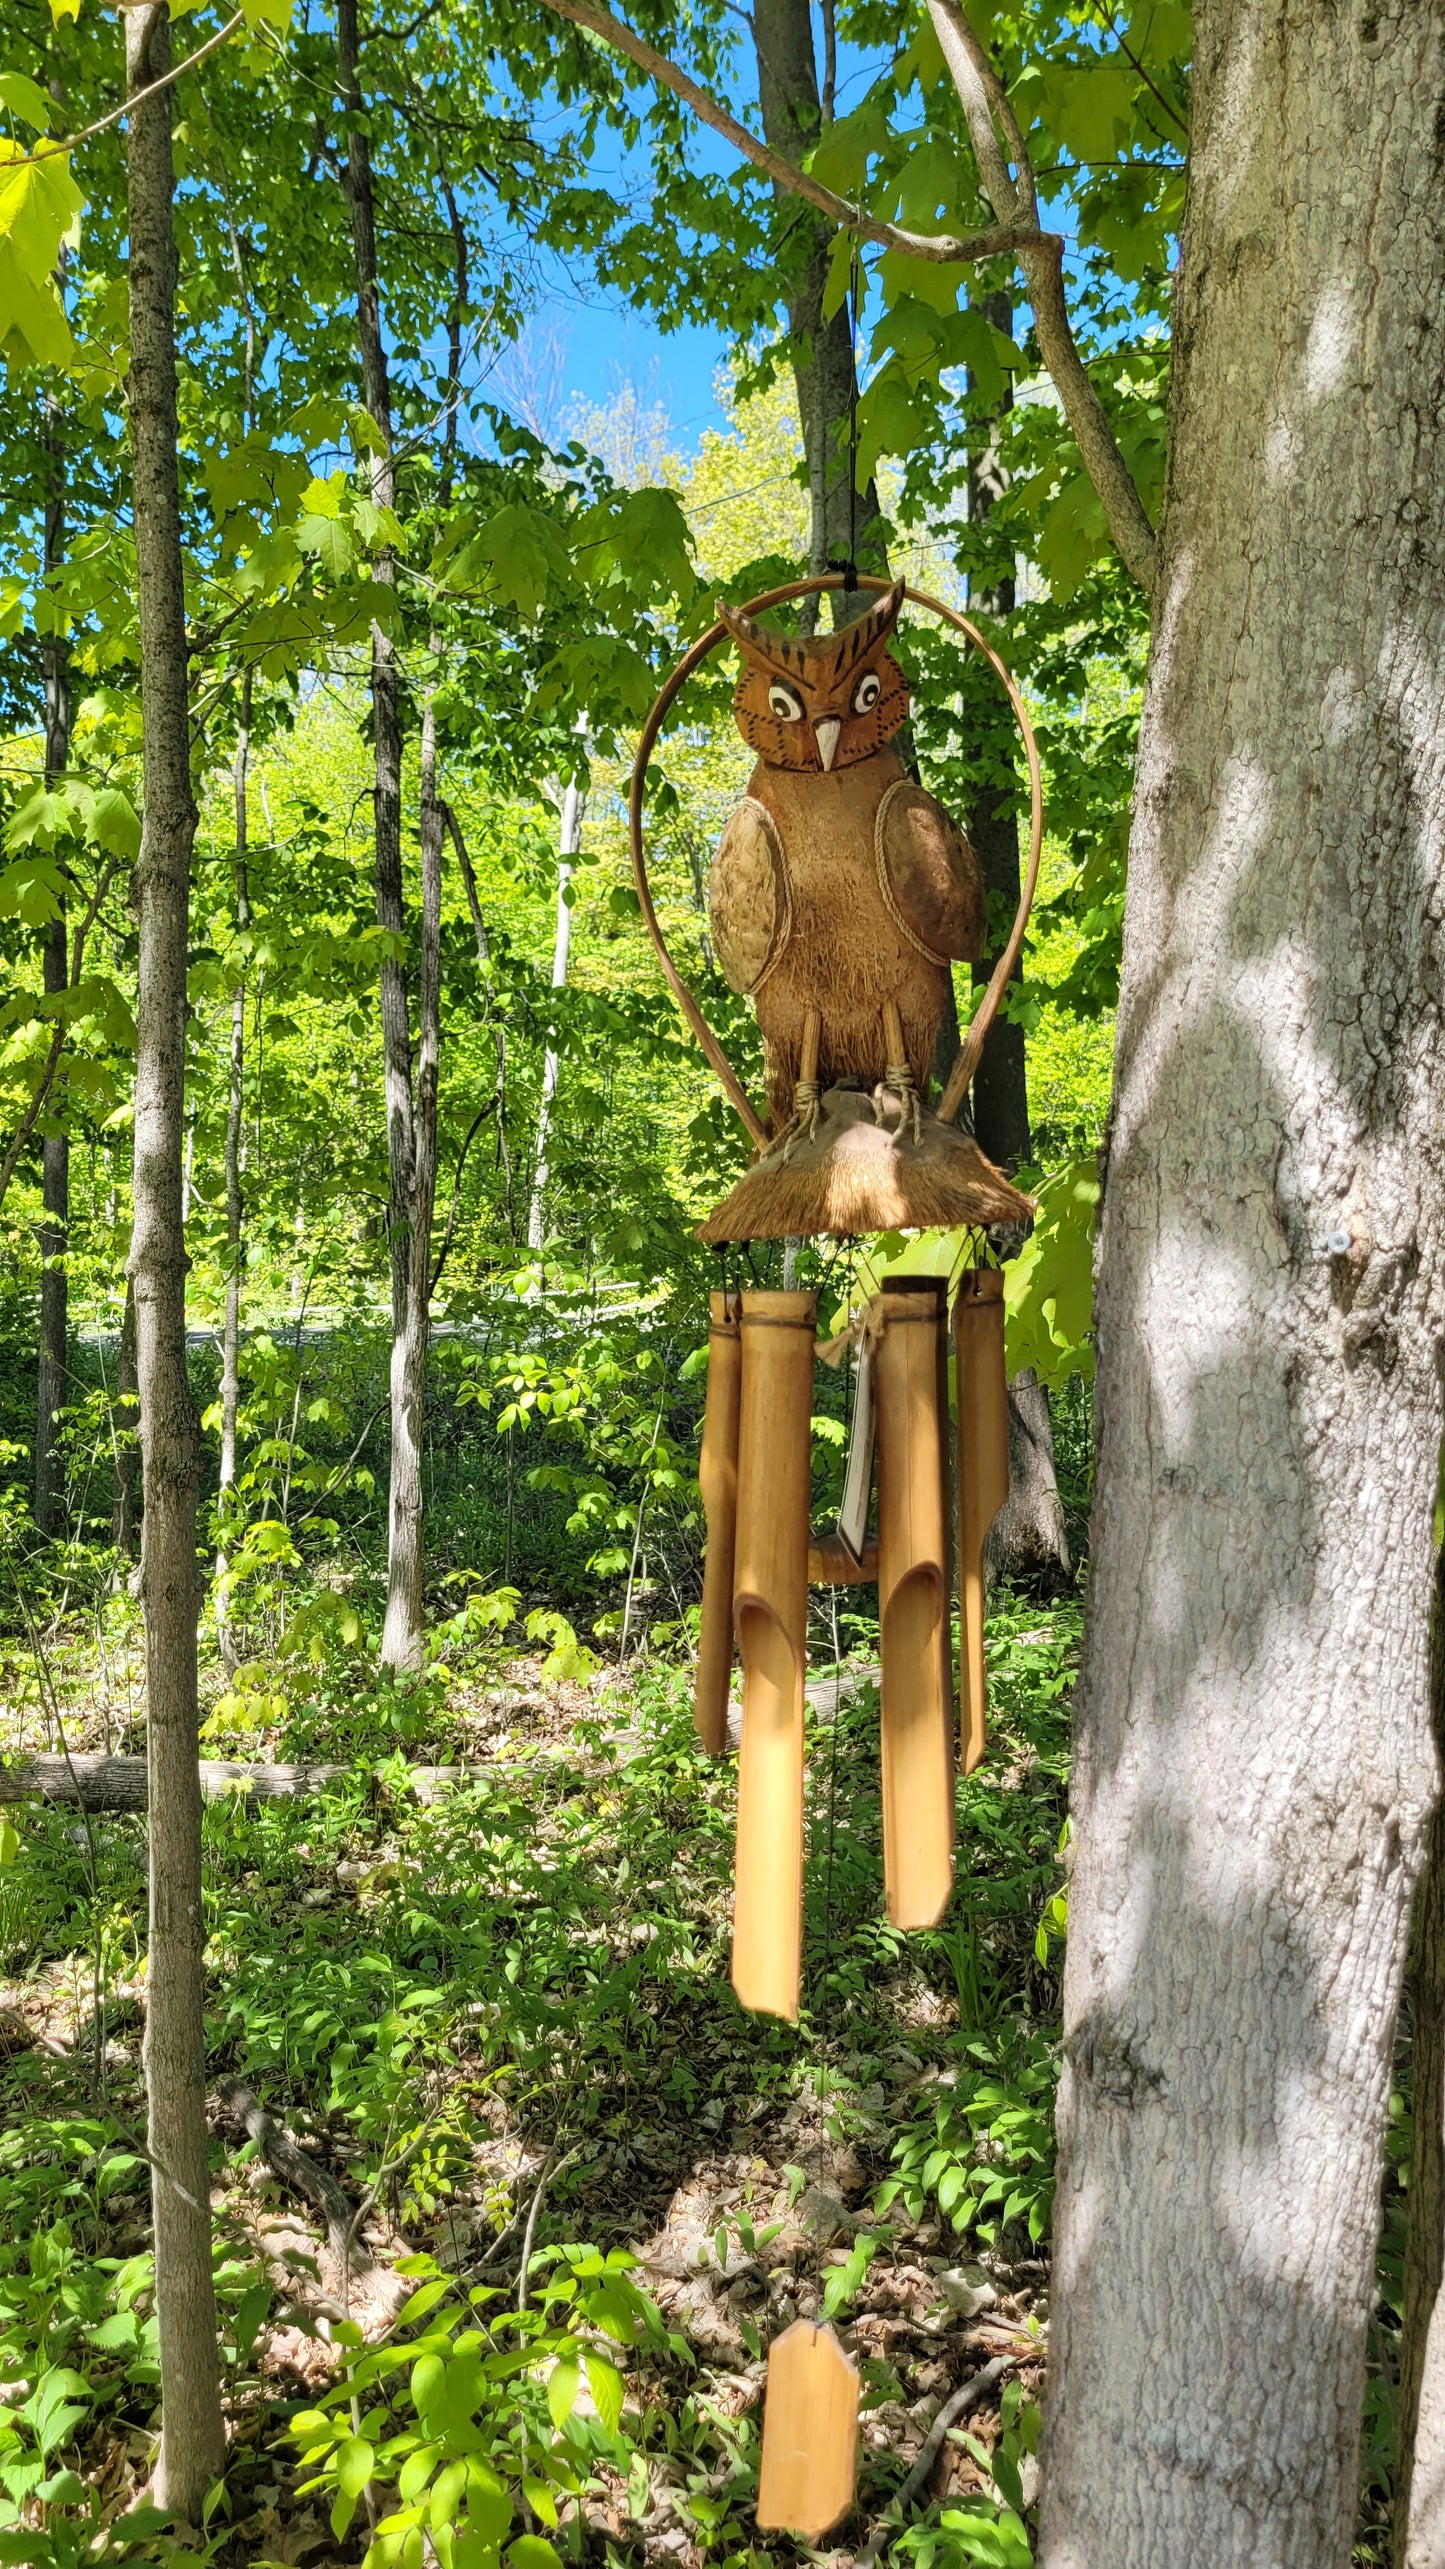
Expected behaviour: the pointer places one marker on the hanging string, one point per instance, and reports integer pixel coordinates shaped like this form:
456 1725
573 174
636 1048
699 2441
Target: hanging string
849 568
849 1250
853 299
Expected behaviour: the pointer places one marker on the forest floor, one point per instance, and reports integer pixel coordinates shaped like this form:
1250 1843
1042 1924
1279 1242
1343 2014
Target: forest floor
498 2024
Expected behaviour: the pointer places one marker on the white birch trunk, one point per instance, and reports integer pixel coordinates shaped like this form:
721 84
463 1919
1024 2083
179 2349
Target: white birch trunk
1255 1762
569 846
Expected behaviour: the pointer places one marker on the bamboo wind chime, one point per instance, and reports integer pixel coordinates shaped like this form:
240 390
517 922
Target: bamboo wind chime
840 896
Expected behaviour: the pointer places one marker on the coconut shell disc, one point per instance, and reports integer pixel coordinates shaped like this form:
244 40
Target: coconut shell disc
854 1174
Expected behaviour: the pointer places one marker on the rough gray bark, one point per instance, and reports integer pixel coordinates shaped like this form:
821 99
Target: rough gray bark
1256 1768
821 352
401 1642
193 2440
1419 2516
1028 1543
53 1370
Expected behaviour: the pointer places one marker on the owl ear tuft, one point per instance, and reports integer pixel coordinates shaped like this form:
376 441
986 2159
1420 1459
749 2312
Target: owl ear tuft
874 627
776 651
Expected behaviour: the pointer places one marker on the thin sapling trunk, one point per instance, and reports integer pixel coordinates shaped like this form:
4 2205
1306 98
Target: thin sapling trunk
193 2440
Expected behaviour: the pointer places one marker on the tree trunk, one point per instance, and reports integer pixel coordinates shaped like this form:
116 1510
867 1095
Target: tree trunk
402 1636
193 2443
235 1208
1255 1761
843 527
1419 2511
569 845
1027 1543
402 1632
1000 1087
53 1370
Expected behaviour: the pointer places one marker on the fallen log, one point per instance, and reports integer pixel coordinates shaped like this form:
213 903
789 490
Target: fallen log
92 1781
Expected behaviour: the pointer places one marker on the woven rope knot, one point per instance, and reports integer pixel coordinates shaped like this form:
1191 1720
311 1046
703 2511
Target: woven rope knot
806 1115
898 1076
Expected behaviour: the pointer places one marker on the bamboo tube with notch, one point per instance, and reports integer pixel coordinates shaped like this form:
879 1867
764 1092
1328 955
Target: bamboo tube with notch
770 1617
810 2433
978 1332
911 1389
718 1481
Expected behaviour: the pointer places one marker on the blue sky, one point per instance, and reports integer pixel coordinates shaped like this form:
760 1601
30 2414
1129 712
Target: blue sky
583 344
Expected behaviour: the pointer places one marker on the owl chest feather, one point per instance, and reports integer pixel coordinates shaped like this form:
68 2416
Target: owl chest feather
844 946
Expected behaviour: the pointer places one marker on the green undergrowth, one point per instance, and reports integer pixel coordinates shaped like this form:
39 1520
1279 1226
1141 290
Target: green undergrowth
439 1996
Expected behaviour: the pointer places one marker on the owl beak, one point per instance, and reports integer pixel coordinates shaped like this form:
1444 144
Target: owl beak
825 732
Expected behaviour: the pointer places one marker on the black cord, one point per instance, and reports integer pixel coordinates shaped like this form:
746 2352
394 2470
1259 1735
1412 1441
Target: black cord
849 1248
852 572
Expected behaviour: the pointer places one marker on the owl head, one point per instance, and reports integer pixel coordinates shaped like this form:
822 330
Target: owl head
824 703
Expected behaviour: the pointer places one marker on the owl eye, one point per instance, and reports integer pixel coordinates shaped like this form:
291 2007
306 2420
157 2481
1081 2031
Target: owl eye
867 691
783 702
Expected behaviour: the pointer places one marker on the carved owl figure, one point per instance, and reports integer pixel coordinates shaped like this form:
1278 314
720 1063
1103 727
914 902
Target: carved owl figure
840 887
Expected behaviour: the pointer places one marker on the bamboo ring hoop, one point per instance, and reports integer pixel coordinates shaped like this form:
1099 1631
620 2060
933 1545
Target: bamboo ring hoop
987 1009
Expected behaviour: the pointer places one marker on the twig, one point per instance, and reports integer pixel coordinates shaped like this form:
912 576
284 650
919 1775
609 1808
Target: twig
551 2166
945 246
965 2398
61 144
986 107
478 1120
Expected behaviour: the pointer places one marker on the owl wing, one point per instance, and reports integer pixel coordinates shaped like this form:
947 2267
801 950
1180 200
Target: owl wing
928 875
747 897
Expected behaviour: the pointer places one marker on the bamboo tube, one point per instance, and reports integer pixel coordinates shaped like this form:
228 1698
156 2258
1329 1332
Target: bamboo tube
982 1478
718 1479
770 1616
911 1389
810 2433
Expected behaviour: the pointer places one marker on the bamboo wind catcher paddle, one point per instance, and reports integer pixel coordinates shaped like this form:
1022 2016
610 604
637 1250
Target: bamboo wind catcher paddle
718 1482
911 1390
982 1478
770 1615
810 2433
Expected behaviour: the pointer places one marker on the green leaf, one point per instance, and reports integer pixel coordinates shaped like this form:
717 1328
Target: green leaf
113 823
354 2464
328 541
563 2385
39 204
607 2386
529 2551
1049 1287
25 99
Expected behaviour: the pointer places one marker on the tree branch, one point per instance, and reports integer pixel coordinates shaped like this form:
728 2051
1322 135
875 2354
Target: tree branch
56 146
962 2400
983 98
947 247
1017 234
